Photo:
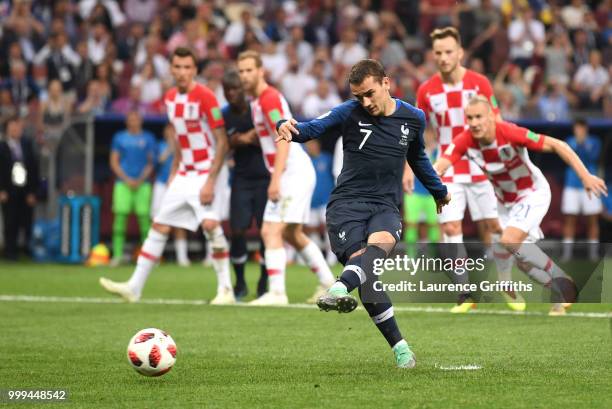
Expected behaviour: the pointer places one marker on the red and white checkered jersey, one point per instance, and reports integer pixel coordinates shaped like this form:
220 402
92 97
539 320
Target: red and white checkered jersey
194 115
505 161
444 106
266 110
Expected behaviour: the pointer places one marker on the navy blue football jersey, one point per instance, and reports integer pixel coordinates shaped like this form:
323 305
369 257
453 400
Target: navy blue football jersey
376 149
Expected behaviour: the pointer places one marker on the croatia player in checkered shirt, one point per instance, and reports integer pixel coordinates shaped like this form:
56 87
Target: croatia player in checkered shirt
523 194
443 98
379 134
190 200
292 184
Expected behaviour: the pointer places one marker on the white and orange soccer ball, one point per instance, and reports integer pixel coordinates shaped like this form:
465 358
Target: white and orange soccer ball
151 352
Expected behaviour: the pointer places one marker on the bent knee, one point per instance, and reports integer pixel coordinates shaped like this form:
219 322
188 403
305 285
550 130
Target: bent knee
452 228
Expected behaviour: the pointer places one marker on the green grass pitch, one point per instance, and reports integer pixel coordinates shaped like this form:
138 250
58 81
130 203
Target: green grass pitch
238 357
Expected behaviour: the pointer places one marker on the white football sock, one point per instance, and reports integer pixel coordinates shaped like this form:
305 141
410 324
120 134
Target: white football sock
504 260
537 274
532 254
151 251
220 257
568 248
276 260
314 259
593 249
180 247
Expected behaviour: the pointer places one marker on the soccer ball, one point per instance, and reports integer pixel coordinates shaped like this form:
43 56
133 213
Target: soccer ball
151 352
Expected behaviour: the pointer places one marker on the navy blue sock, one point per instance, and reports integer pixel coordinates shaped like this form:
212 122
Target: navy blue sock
238 256
382 315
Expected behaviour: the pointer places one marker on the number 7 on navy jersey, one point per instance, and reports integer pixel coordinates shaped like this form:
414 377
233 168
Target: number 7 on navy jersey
367 133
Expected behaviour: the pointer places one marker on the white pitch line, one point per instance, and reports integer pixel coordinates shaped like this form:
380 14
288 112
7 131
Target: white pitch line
470 367
165 301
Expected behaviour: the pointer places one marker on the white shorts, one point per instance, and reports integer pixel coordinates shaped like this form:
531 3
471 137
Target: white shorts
297 187
159 189
479 197
317 216
576 201
181 206
526 214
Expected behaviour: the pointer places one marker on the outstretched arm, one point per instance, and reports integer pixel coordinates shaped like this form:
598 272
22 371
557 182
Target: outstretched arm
592 183
291 130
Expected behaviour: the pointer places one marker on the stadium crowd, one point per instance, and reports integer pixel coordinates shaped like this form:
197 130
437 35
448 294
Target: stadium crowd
547 60
61 57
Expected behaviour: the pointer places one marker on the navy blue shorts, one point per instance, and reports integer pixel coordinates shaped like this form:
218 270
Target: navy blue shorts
248 201
350 223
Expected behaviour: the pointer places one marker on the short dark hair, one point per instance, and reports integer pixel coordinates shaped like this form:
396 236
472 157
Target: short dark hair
183 52
581 121
231 79
444 32
366 68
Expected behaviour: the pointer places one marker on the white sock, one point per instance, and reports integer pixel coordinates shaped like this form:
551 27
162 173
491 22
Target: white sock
276 260
151 251
180 247
458 240
593 249
339 284
504 260
220 257
532 254
314 259
537 274
568 248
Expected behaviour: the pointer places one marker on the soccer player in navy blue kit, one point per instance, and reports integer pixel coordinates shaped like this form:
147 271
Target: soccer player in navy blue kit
250 180
379 135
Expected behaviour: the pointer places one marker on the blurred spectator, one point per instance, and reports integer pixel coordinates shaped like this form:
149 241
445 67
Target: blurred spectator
63 11
348 51
19 181
436 13
22 87
22 27
582 48
553 104
150 86
140 11
510 77
132 102
276 28
573 14
7 108
526 34
188 37
508 107
151 52
131 44
303 49
296 84
95 102
487 21
84 71
13 55
54 112
390 52
321 101
557 56
60 60
106 80
591 81
99 40
237 30
87 9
